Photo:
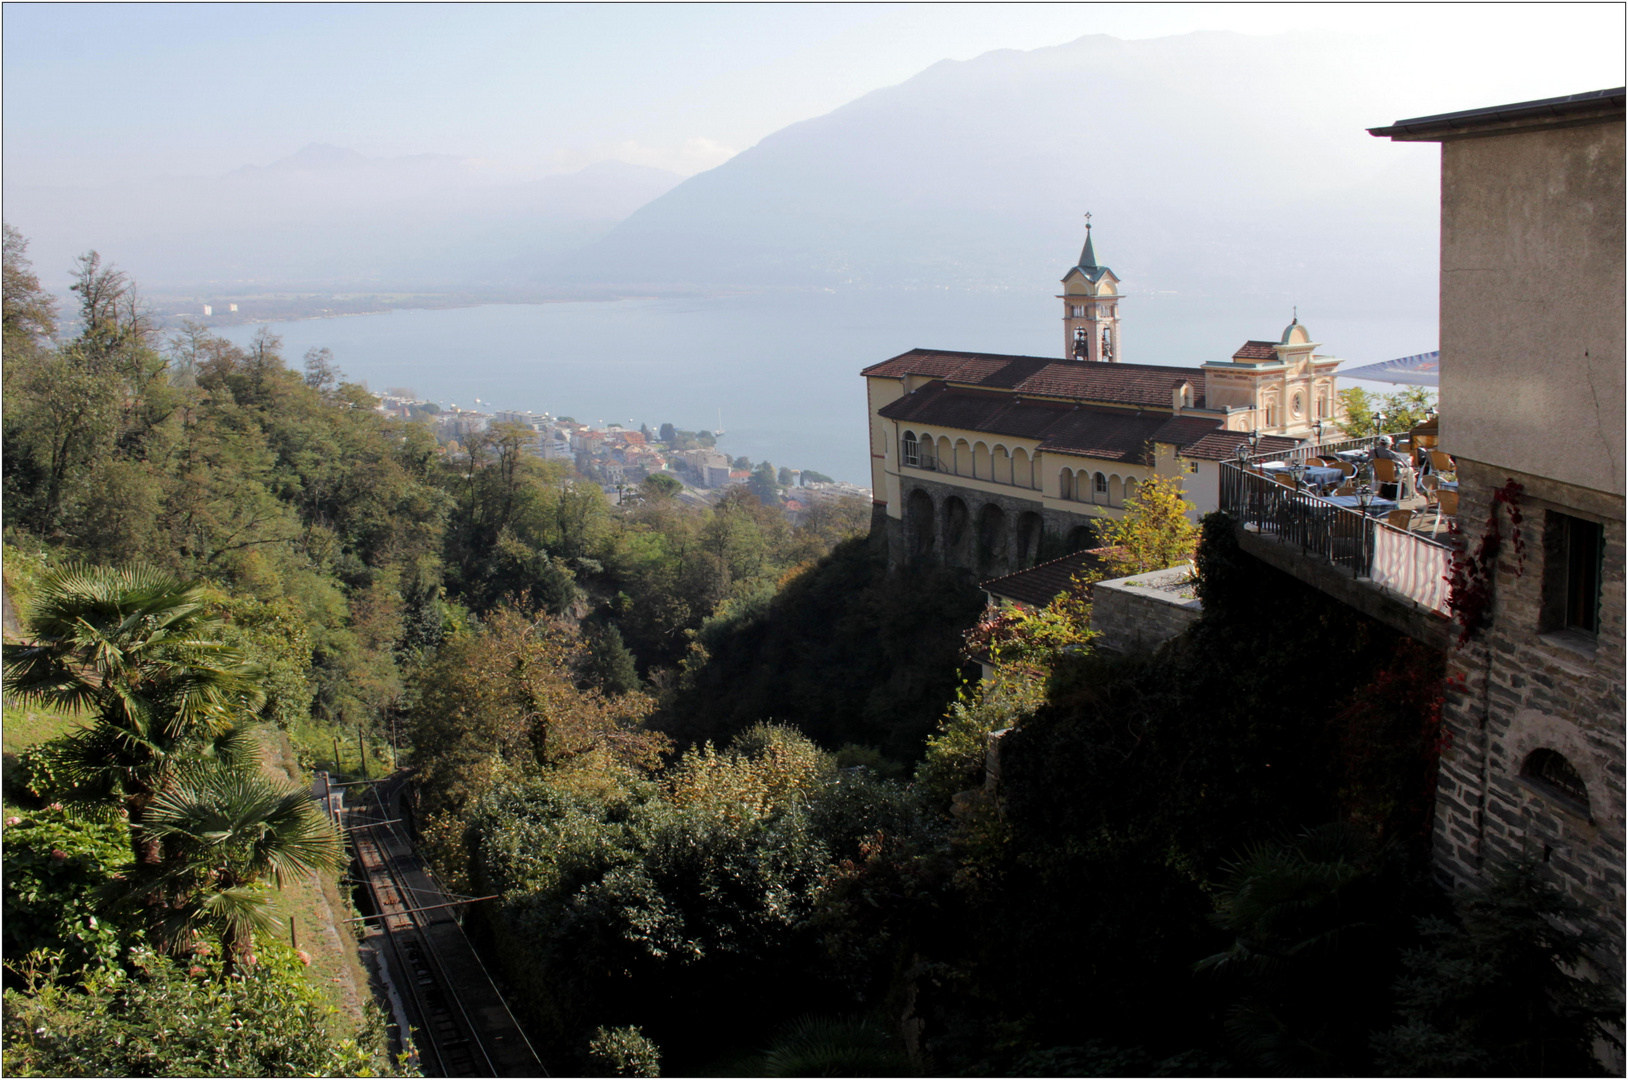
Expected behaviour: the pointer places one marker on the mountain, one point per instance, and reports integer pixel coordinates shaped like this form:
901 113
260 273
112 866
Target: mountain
328 217
1216 166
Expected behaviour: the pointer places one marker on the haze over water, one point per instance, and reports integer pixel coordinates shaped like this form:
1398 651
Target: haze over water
782 369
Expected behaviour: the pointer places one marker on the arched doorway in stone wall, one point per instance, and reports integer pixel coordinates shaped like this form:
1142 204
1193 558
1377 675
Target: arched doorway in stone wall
920 529
1030 527
957 533
1080 538
992 539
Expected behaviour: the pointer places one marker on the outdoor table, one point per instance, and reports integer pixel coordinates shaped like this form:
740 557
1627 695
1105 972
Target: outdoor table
1355 457
1351 502
1272 466
1447 485
1323 474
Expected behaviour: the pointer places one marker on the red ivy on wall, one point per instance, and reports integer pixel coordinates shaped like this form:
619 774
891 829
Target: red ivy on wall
1470 582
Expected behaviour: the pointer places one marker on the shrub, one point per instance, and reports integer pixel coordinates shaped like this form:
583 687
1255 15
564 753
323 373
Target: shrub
160 1019
623 1051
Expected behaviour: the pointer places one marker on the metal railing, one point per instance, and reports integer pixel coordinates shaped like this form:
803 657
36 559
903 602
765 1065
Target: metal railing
1410 565
1311 448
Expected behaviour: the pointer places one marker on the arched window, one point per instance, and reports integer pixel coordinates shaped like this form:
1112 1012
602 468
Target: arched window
1552 774
1099 489
1130 488
1107 343
1022 469
1065 484
911 453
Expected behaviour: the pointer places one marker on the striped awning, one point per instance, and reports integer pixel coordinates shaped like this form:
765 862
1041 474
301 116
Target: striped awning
1423 369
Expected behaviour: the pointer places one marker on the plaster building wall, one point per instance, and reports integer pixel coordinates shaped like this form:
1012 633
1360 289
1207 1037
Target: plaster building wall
1532 394
1532 308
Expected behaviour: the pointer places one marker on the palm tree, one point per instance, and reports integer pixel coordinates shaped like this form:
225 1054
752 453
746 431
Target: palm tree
224 831
136 648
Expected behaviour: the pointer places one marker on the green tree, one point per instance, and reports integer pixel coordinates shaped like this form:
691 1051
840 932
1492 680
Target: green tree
660 486
1153 533
1369 414
225 830
28 318
610 660
1502 990
762 484
139 651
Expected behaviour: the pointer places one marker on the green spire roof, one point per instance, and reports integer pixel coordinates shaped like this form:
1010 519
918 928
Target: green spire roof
1088 259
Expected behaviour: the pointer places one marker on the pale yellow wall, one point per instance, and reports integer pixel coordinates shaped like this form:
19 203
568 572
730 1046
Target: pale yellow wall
879 392
1532 310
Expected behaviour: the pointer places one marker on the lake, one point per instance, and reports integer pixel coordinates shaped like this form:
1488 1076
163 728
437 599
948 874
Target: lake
778 372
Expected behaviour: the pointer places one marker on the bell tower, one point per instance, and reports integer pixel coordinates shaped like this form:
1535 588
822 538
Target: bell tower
1091 309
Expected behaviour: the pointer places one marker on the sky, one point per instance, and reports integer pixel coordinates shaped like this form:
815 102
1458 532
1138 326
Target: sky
99 93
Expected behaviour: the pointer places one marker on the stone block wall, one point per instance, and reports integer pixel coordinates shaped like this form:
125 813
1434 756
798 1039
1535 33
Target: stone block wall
988 534
1524 690
1140 612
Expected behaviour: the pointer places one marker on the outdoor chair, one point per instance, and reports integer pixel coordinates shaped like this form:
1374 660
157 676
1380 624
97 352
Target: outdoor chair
1446 506
1345 489
1400 519
1442 462
1282 476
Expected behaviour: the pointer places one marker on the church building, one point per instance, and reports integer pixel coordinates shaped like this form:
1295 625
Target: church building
992 462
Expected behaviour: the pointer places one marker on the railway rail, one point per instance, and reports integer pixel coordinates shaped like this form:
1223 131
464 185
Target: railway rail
460 1023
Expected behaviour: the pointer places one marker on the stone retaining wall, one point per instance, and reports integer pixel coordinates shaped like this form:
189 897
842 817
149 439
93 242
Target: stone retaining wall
1137 613
1522 690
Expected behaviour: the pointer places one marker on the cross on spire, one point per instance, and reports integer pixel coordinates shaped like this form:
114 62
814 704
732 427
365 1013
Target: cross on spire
1088 257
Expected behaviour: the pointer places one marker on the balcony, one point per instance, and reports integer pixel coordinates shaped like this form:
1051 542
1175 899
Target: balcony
1392 574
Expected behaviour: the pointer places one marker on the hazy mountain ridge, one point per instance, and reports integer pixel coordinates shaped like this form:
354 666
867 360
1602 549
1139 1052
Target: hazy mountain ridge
1206 173
330 217
1219 168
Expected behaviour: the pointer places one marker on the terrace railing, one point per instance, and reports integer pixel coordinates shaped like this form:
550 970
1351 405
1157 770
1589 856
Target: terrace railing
1311 448
1405 563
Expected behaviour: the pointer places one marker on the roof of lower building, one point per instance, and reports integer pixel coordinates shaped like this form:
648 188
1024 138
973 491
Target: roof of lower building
1040 585
1119 384
1102 433
1220 445
1257 350
1106 434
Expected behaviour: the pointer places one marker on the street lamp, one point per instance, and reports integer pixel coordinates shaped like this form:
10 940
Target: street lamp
1243 453
1254 439
1317 431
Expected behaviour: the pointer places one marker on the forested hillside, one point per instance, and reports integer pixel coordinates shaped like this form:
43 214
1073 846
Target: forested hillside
726 779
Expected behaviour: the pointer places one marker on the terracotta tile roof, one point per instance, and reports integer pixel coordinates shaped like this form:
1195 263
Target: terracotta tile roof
1257 350
1123 384
1221 445
1040 585
1106 434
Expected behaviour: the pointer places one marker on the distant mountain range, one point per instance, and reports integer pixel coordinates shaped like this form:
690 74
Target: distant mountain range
1221 169
1217 166
328 217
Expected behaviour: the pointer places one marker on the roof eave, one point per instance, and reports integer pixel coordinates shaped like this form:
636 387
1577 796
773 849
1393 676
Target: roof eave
1595 106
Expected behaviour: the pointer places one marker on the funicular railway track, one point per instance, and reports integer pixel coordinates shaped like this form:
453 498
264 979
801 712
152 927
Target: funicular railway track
460 1024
